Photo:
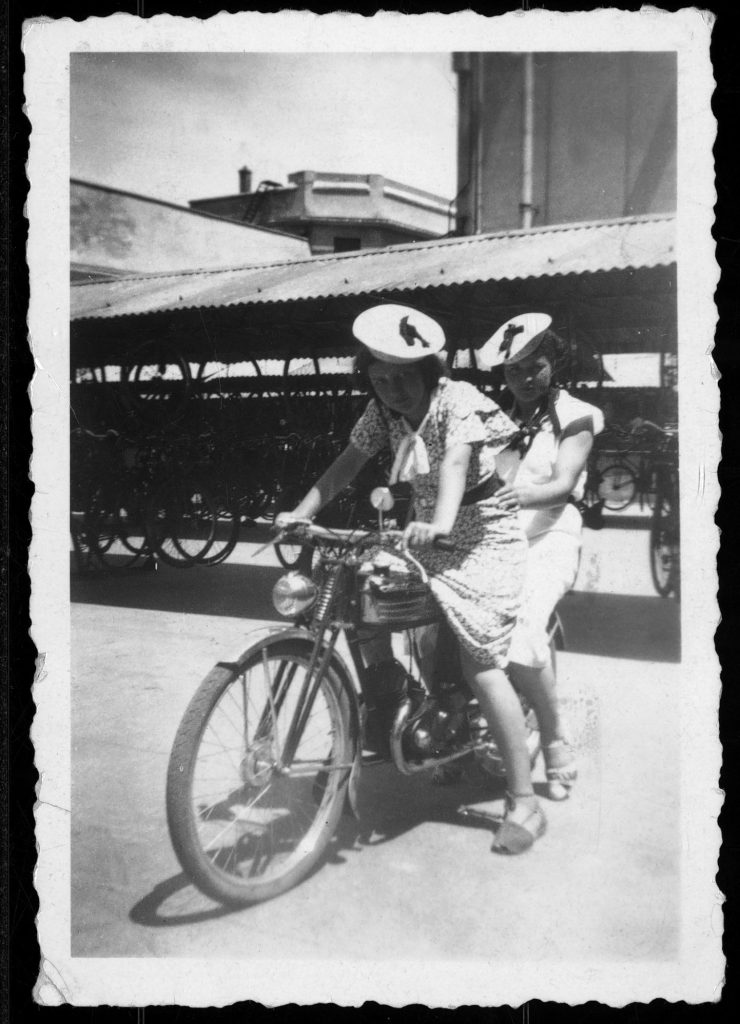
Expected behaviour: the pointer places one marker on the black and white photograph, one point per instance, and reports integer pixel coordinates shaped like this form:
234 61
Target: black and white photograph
373 560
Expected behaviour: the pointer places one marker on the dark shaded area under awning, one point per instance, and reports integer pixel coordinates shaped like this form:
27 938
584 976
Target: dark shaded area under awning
610 311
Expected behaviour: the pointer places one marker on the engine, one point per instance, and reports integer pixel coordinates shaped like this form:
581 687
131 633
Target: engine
435 730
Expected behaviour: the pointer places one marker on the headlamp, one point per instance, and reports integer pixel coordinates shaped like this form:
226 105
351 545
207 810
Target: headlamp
293 593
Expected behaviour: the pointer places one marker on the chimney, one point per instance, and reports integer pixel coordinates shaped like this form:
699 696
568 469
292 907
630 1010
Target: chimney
245 180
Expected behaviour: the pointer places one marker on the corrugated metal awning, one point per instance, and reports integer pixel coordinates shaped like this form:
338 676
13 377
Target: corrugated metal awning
543 252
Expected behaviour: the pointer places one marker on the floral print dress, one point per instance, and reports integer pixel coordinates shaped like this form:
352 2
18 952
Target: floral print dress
478 585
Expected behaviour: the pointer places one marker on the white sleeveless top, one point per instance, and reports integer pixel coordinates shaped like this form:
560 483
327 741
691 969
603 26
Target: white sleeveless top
538 465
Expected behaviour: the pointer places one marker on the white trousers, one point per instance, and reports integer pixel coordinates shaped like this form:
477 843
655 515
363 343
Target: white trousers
552 566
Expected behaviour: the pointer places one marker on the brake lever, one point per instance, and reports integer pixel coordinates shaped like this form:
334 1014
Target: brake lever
280 536
270 544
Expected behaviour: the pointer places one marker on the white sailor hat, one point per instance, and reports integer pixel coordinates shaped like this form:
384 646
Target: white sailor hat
514 340
398 334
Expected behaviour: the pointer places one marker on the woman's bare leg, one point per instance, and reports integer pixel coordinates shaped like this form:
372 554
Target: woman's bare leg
503 711
524 821
538 685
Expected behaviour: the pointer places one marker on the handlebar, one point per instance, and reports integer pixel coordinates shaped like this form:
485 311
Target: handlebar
356 538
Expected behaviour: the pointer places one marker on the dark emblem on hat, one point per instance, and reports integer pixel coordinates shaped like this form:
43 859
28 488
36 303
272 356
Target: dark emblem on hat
509 334
410 334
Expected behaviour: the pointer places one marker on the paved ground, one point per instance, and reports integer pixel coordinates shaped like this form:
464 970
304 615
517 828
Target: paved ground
412 879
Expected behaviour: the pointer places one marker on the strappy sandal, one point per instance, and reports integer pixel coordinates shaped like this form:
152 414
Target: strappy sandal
560 777
513 837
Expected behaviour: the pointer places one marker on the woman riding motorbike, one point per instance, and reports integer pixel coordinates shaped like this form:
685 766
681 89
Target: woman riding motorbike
544 470
443 435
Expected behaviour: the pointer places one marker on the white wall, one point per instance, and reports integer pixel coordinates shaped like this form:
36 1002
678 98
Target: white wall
122 232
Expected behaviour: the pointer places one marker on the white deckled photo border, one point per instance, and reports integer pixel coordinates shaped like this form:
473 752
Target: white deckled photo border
696 974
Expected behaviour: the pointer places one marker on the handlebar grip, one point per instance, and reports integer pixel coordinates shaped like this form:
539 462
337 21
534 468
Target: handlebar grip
444 544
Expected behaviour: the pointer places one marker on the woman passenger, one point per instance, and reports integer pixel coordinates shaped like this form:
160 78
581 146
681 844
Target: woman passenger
544 470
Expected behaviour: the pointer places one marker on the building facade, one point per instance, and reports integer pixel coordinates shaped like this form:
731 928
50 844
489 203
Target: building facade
115 233
553 138
573 138
337 212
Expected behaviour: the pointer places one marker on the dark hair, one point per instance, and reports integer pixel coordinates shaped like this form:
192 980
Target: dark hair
431 368
553 348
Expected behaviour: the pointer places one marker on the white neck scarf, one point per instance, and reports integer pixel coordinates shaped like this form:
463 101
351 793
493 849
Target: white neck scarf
412 458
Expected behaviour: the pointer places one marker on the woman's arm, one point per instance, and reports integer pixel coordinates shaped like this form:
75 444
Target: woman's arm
453 472
573 454
341 473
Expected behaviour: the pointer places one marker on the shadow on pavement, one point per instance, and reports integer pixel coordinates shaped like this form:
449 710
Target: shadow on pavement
622 626
175 902
390 805
234 590
608 625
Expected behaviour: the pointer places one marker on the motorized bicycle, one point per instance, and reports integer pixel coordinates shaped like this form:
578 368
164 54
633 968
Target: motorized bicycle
270 749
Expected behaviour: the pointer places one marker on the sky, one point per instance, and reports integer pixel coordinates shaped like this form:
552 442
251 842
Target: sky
178 126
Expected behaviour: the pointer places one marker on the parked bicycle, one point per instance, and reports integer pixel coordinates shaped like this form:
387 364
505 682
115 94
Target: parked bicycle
109 481
631 476
665 533
137 498
149 387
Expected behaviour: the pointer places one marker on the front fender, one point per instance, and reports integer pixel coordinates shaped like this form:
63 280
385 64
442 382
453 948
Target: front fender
263 636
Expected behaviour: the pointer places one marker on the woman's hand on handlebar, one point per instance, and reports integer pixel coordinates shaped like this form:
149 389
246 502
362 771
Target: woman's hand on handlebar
419 534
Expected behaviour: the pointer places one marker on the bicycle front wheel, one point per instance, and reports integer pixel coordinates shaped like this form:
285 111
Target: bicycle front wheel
246 822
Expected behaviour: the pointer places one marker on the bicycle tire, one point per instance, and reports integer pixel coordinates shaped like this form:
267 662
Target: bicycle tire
290 556
226 534
665 548
254 853
181 522
617 486
132 524
104 529
158 405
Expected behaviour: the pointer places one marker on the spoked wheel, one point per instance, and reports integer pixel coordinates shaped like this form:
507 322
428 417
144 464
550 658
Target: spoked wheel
181 522
665 548
225 536
107 525
132 525
617 486
247 819
156 382
226 524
